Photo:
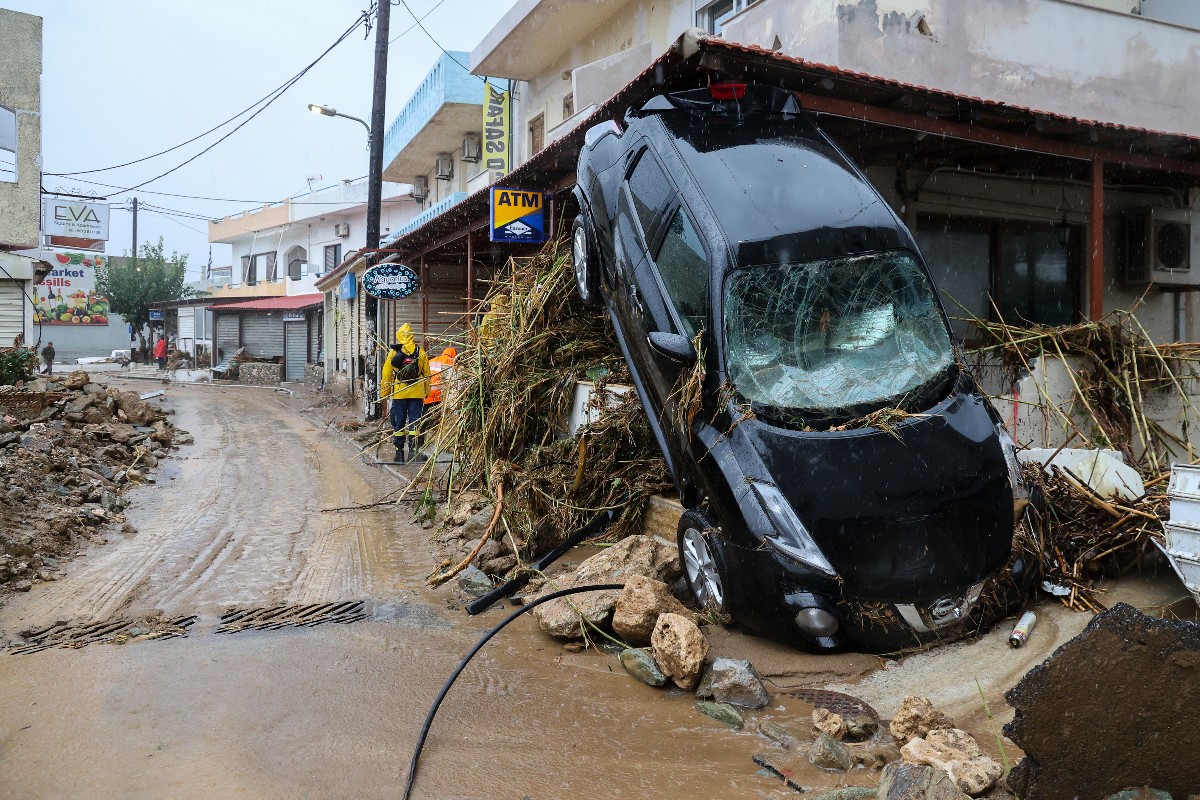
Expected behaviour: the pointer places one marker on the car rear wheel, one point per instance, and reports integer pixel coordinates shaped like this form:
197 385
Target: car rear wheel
583 253
701 552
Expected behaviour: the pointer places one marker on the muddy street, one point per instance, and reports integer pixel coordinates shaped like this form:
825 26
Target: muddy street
328 711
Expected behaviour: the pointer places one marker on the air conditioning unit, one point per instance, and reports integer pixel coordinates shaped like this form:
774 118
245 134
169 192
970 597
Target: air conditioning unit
420 188
472 150
341 229
443 168
1161 248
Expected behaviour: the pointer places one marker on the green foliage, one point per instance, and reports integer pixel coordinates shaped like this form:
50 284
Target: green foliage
17 364
154 279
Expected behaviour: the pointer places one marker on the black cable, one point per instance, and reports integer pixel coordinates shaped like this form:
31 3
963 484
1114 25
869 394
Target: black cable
276 91
410 27
219 199
436 43
412 766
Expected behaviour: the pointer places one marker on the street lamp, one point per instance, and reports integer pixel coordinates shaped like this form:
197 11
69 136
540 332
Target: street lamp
326 111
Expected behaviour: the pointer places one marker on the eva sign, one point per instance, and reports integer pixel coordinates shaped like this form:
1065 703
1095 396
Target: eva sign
390 281
74 219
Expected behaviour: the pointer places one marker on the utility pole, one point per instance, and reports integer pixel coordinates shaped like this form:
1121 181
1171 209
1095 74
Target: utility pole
375 204
135 234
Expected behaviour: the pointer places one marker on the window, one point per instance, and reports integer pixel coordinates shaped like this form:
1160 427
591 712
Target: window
712 16
261 264
296 257
568 105
537 134
1035 278
333 257
833 338
8 145
650 189
960 262
684 269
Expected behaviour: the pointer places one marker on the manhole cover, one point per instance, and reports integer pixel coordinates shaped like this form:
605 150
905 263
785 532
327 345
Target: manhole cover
307 616
841 704
117 631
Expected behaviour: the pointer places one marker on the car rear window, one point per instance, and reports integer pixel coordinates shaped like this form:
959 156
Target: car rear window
828 337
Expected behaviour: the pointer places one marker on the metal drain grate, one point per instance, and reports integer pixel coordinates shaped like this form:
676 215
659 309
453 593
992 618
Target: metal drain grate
117 631
269 619
842 704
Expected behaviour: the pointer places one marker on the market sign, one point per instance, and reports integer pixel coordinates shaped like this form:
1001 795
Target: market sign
517 216
497 136
67 296
390 281
76 219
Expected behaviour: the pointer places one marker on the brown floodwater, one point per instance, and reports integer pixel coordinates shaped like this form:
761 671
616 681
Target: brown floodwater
333 711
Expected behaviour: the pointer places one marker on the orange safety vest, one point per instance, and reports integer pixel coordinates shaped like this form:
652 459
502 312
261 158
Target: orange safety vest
436 365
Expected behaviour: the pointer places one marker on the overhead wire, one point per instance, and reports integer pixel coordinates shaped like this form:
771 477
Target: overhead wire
396 38
223 199
436 43
263 107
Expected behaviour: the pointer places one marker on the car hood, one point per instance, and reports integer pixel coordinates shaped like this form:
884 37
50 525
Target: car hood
914 514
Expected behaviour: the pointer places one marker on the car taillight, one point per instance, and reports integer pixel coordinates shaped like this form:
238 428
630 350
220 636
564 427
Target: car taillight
727 91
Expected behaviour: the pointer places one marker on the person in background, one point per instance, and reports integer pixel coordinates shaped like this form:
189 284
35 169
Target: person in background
405 384
438 370
497 315
48 357
160 352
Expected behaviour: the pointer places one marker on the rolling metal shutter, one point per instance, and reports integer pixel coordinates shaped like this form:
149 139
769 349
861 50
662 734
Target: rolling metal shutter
12 312
296 355
315 339
262 335
227 334
187 330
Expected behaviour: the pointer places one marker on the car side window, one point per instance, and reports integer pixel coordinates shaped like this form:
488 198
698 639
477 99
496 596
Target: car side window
684 270
650 189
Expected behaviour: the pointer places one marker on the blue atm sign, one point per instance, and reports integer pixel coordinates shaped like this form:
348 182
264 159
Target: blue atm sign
518 216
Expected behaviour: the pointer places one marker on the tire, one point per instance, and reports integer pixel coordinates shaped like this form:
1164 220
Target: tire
702 555
583 254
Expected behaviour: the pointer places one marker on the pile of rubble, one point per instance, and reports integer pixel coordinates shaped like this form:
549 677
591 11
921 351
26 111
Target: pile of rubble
68 451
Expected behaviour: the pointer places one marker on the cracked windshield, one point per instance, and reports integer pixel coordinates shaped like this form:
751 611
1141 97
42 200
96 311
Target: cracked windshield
835 334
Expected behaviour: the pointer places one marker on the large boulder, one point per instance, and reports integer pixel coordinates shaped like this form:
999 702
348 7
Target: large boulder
633 556
901 780
916 718
828 753
957 754
639 606
76 380
680 649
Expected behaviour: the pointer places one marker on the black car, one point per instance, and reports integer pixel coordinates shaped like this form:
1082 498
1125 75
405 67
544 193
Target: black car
724 230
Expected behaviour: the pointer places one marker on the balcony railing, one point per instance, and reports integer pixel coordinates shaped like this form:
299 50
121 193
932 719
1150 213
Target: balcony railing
447 82
445 204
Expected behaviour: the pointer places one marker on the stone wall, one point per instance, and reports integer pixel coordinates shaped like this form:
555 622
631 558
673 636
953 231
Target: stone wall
260 374
314 376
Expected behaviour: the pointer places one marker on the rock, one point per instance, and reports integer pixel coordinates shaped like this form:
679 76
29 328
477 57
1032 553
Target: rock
632 556
23 586
826 721
876 755
1144 793
680 649
500 565
490 550
781 733
721 712
574 647
640 664
917 717
477 524
849 793
958 755
639 605
735 682
133 474
472 581
76 380
466 505
183 437
903 781
828 753
861 728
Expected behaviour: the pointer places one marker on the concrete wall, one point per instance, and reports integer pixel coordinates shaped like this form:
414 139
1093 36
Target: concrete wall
72 342
21 92
1050 55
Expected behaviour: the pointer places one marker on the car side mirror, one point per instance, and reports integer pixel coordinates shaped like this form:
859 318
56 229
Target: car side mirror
674 346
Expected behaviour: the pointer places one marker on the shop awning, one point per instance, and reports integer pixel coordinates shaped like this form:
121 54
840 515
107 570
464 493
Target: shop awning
297 302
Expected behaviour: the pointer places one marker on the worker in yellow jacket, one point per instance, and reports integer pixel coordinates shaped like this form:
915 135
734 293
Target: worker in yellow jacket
405 383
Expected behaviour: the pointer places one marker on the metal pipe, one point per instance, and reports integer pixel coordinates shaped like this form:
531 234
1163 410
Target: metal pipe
1096 252
1180 316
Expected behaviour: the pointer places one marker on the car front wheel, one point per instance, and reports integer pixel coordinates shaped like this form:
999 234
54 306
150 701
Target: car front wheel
583 253
701 552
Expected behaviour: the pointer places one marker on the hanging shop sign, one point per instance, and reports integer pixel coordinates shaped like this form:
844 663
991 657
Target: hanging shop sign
74 219
348 288
497 136
517 216
156 315
390 281
67 296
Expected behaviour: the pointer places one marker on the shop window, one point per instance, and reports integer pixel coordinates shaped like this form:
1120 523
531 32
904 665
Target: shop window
8 145
683 267
537 134
568 105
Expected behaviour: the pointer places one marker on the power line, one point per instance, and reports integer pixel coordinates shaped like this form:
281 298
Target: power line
273 97
410 27
436 43
221 199
177 222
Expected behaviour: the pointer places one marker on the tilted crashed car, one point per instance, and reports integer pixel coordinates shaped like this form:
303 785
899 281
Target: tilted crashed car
722 226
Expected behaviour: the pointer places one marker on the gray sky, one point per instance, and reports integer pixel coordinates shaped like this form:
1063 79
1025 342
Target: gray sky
125 78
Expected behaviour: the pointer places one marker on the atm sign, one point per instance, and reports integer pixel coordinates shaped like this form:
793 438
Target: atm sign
517 216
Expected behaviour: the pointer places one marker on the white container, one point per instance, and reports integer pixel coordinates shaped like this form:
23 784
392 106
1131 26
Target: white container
585 406
1184 492
1183 551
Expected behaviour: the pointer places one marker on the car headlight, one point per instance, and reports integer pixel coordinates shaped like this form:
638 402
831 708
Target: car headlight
791 539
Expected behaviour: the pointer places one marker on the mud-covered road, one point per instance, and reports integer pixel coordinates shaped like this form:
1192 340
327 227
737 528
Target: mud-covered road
236 521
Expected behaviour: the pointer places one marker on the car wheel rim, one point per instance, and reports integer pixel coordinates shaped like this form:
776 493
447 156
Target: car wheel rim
579 253
701 570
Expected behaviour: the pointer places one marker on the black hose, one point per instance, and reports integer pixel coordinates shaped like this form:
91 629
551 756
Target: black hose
597 524
412 766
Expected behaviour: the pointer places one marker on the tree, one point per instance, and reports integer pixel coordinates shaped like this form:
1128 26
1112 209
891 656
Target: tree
131 288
